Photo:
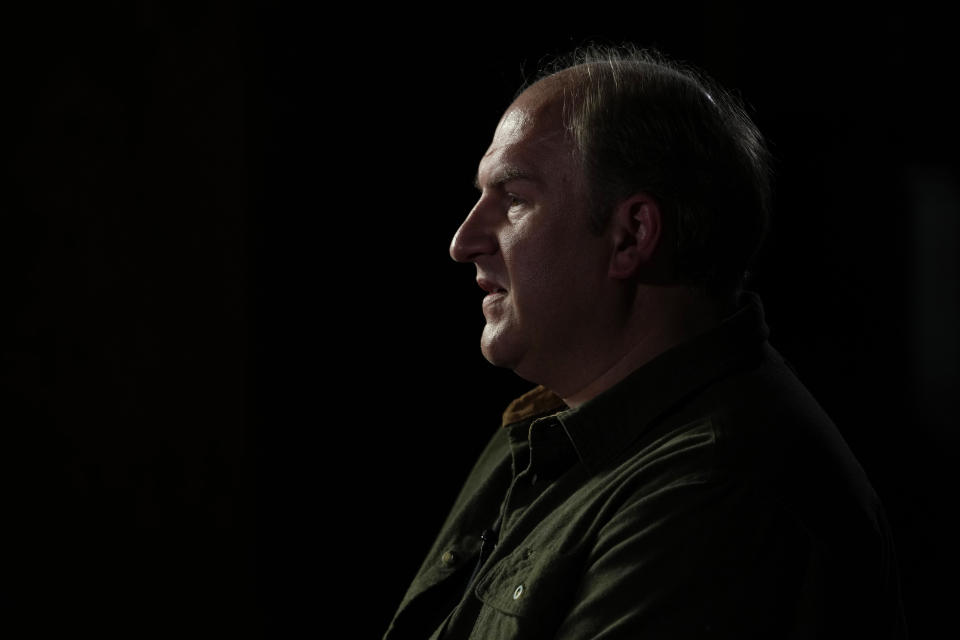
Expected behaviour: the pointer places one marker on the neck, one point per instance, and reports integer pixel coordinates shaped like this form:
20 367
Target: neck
659 319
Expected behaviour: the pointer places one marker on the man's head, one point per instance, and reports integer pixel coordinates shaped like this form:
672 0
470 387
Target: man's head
610 173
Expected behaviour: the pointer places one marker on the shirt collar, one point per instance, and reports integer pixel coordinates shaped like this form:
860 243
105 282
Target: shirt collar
539 401
606 424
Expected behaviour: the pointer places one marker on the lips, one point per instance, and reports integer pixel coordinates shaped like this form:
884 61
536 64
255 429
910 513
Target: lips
490 286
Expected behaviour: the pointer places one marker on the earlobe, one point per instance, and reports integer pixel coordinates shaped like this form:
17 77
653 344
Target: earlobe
636 227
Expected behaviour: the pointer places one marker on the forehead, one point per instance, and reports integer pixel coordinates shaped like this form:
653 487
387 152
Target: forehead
530 142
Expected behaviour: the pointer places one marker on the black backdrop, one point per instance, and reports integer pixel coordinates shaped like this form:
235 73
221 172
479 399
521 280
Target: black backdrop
242 380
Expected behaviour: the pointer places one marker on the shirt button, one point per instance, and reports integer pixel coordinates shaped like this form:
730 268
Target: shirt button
518 592
449 558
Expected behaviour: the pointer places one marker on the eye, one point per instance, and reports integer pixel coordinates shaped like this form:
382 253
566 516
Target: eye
515 200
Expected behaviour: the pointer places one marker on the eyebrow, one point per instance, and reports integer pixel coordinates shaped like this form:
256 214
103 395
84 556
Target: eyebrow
505 175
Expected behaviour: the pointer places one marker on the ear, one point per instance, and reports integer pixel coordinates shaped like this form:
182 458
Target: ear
635 228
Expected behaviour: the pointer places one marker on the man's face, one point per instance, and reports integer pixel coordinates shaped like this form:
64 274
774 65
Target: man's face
528 235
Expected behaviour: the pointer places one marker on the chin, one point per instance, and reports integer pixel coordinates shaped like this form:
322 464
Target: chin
498 351
495 358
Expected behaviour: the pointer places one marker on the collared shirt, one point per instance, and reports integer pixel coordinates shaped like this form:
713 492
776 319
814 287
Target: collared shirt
706 495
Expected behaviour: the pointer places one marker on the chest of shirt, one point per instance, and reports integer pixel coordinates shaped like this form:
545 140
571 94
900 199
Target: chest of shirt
548 511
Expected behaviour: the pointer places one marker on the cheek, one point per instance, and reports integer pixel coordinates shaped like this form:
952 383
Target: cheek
546 260
538 246
530 264
540 282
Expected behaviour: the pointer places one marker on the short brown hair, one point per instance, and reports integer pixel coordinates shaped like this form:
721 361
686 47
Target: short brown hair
644 123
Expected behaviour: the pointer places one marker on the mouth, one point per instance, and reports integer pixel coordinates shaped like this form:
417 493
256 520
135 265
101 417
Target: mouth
492 288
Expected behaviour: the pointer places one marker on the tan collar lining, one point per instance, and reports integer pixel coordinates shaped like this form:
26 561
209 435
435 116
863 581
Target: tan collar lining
537 401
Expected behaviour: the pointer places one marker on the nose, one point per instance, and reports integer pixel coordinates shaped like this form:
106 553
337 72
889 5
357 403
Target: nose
476 236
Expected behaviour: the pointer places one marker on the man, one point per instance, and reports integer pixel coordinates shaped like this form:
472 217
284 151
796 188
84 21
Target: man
669 477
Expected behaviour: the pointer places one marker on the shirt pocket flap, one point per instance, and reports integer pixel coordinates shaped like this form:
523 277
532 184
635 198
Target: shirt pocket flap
531 585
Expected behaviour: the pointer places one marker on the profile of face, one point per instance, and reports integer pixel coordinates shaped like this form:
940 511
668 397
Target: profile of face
529 237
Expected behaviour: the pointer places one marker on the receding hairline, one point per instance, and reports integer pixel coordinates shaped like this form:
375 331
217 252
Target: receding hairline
570 75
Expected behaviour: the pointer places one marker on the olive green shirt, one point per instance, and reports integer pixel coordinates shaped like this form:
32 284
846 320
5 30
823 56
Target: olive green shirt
706 495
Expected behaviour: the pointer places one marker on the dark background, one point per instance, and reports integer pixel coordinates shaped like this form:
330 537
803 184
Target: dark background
241 378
